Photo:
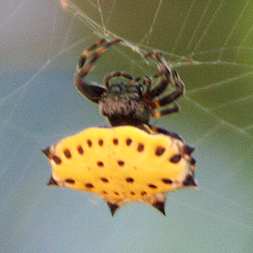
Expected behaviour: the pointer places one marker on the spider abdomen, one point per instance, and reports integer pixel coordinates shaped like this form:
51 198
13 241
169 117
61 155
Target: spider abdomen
122 165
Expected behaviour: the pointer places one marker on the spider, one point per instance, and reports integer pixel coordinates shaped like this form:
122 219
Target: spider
133 102
85 162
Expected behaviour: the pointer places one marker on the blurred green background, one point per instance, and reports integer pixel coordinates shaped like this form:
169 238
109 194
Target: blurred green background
210 43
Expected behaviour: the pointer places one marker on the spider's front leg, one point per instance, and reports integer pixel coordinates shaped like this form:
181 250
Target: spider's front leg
86 63
167 77
179 90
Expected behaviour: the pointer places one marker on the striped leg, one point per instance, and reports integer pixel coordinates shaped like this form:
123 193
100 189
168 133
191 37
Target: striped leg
167 77
86 63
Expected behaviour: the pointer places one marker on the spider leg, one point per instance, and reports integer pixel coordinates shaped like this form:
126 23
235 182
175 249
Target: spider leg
179 85
167 77
164 72
156 129
86 52
163 112
159 89
91 90
86 63
147 81
108 78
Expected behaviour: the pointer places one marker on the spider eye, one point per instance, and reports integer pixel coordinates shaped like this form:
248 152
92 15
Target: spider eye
115 88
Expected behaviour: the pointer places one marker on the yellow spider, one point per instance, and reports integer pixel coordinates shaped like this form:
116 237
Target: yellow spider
131 160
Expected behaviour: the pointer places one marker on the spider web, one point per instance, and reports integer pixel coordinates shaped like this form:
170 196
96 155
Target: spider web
209 43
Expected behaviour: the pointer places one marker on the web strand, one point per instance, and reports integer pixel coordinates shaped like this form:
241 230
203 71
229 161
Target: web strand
13 13
228 38
185 22
146 37
208 25
203 15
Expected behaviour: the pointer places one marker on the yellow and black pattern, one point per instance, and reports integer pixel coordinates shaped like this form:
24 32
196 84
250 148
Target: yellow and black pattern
122 164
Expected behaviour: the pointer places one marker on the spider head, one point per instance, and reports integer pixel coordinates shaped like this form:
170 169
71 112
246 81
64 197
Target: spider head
125 104
126 91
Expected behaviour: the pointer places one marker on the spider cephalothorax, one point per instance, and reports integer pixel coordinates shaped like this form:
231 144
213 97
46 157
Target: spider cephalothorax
132 102
124 104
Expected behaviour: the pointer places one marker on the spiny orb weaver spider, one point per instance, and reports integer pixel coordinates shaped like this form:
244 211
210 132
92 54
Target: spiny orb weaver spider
132 160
